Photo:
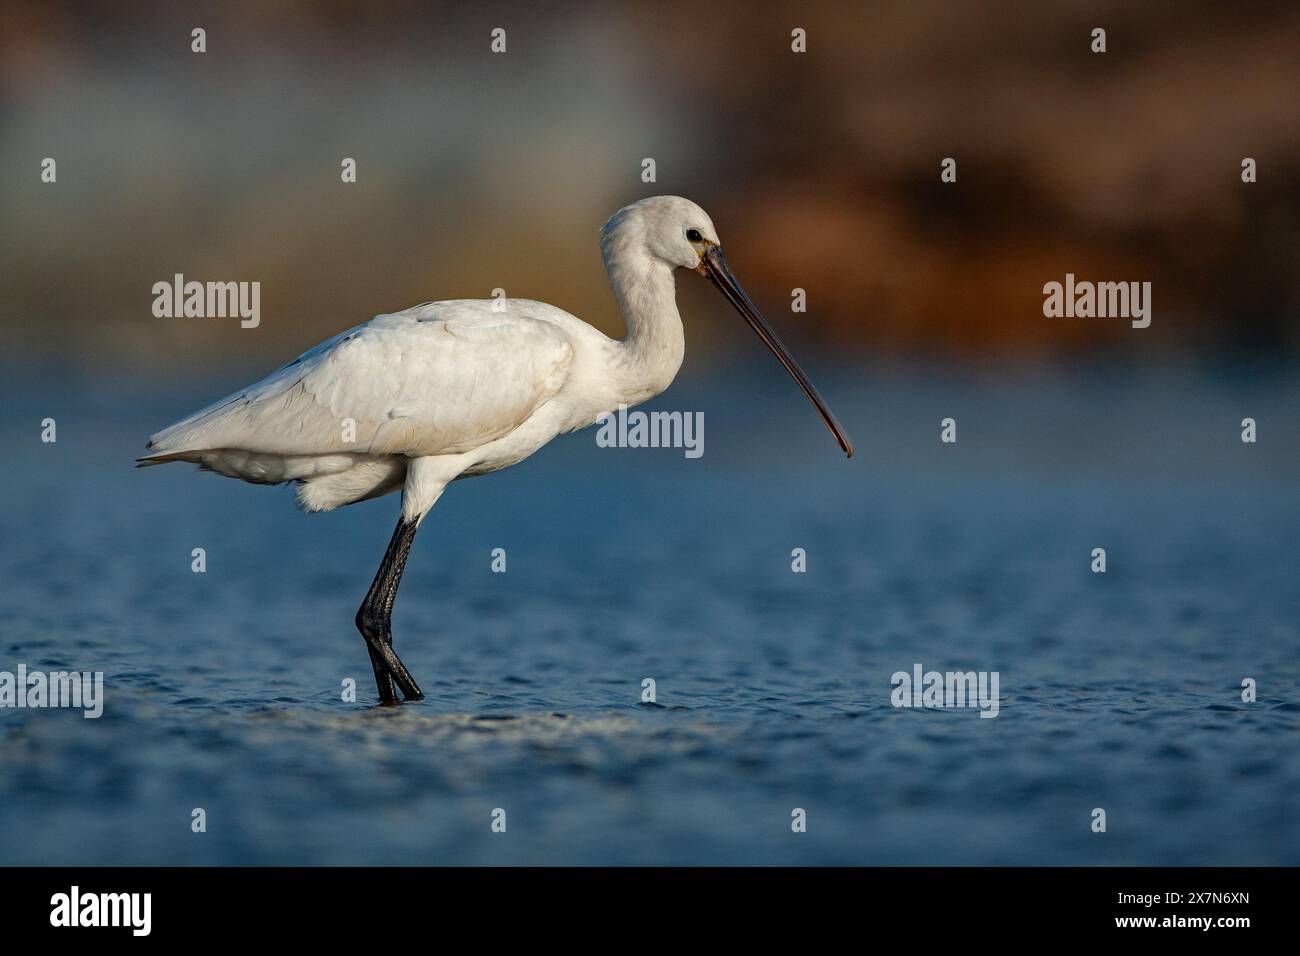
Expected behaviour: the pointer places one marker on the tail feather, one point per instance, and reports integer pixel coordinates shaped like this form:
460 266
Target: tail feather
148 460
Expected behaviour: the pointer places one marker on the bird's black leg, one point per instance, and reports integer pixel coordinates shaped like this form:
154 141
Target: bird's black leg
383 679
375 616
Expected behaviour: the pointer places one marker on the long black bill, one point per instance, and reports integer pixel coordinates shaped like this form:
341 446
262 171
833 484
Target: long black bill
715 267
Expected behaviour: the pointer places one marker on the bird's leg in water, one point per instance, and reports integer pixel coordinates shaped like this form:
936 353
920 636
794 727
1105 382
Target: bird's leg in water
375 618
383 679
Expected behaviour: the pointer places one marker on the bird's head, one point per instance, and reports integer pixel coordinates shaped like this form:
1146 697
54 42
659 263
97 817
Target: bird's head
668 228
679 233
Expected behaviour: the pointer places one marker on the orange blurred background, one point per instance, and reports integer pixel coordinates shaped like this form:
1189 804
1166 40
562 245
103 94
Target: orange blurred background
821 170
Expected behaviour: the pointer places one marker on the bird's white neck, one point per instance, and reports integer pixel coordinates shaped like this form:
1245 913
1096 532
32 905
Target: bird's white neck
647 360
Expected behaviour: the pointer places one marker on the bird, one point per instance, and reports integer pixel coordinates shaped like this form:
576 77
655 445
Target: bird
415 400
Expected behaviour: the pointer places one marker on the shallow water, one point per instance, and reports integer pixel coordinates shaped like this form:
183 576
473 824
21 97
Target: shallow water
1120 691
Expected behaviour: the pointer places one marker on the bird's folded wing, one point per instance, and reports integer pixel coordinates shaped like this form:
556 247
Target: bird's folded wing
442 378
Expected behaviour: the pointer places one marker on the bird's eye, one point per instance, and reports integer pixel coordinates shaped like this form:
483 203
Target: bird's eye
694 235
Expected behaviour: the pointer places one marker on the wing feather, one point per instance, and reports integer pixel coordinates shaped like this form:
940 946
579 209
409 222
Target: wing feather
441 378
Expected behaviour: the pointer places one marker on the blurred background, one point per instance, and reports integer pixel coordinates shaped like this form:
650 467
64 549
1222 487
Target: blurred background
821 170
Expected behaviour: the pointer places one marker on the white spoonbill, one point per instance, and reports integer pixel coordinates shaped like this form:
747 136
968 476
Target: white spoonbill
446 390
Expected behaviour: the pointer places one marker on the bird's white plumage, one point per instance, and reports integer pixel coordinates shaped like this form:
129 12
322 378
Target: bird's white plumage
418 398
410 383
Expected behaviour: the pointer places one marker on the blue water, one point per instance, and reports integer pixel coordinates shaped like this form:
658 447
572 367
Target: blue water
1120 691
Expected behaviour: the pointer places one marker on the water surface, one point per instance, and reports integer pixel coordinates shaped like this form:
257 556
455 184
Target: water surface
1119 691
